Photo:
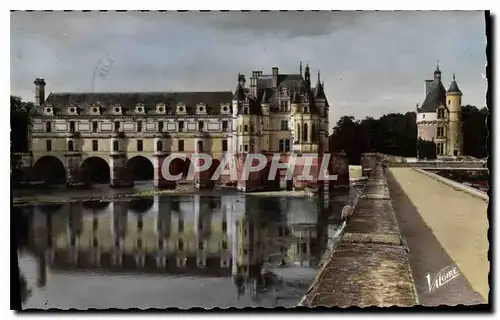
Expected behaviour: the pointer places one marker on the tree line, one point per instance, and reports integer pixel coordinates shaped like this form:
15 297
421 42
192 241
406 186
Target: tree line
393 133
396 134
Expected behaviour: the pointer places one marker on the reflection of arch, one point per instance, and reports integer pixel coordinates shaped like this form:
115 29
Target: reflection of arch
140 168
141 205
95 205
50 169
96 169
49 208
178 166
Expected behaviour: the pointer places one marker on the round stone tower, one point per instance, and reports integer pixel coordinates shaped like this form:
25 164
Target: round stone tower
454 102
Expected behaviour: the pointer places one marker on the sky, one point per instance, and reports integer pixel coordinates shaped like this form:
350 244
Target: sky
372 63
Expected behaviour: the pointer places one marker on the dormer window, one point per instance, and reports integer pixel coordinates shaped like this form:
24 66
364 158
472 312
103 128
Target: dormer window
160 108
117 109
201 108
440 113
140 109
181 108
72 110
96 110
224 108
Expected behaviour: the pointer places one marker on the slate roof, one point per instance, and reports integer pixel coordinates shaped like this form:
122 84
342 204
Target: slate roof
435 98
454 87
128 101
295 84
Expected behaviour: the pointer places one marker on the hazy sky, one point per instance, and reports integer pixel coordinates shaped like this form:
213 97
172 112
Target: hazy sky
371 62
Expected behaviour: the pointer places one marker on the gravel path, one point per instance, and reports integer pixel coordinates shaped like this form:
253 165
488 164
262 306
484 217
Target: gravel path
442 227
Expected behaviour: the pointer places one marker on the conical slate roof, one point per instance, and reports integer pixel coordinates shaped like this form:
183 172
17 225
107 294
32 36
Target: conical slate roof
319 93
454 86
239 93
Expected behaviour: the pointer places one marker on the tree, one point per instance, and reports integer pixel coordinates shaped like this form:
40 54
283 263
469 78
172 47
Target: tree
396 134
19 123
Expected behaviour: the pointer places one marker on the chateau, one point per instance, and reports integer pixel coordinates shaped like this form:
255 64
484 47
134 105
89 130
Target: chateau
121 137
439 117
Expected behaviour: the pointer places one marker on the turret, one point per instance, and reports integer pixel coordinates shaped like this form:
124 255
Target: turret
307 77
454 102
319 94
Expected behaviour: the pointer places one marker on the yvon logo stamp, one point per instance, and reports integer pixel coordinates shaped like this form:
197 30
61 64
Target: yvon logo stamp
444 276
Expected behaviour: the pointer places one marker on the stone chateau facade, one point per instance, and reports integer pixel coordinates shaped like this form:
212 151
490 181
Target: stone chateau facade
439 117
124 137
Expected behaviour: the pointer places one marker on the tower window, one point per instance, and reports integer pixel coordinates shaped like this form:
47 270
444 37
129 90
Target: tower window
139 126
71 146
139 145
160 126
287 145
180 244
48 126
117 126
449 101
440 132
246 148
159 146
181 145
246 128
116 145
94 126
181 226
181 126
224 126
224 145
95 145
201 125
48 145
200 146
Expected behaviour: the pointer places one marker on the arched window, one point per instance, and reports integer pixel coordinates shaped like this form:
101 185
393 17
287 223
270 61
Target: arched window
200 146
116 146
71 146
159 145
314 133
304 134
298 133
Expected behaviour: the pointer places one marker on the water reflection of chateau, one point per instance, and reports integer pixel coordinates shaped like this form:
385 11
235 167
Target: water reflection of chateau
211 236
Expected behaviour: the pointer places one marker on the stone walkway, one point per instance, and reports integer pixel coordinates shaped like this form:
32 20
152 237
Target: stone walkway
442 226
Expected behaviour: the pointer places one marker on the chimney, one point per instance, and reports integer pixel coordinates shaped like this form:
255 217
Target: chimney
275 77
39 91
253 82
428 84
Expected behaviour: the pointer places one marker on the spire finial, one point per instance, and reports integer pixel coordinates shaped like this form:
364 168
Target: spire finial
453 76
437 65
318 75
301 68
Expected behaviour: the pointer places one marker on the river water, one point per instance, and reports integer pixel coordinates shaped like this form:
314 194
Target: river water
204 251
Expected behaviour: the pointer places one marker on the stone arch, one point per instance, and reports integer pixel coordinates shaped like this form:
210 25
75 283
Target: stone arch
141 168
181 166
50 169
96 169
